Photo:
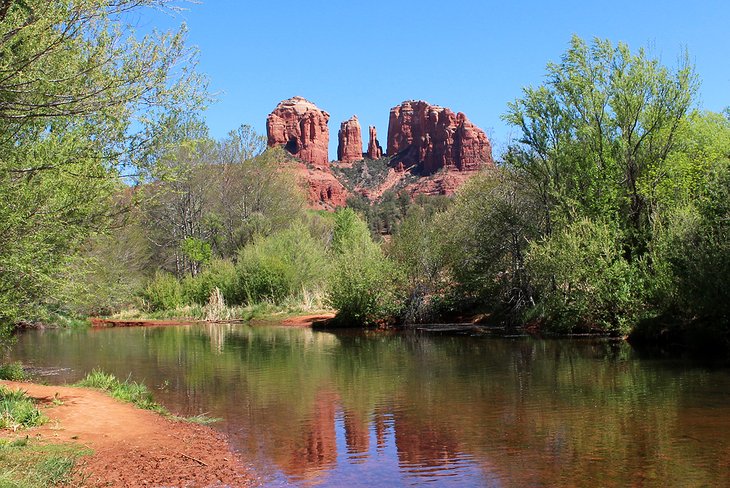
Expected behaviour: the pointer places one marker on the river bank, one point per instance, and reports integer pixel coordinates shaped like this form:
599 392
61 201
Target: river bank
132 447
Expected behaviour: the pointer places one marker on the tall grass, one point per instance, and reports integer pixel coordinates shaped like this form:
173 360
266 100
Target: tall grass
17 410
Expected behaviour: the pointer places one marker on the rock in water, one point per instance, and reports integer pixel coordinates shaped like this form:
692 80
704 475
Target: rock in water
350 141
433 138
375 151
301 128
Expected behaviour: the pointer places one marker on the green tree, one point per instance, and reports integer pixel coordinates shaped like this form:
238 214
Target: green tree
599 131
364 285
691 253
582 280
485 234
82 98
418 248
197 252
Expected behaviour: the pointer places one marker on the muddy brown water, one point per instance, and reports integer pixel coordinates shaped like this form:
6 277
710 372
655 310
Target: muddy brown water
357 409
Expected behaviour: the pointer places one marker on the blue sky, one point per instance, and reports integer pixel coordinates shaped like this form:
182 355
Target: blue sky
353 57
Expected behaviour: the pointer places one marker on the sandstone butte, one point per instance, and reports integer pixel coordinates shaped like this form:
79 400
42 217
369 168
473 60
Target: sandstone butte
349 146
431 138
423 139
301 128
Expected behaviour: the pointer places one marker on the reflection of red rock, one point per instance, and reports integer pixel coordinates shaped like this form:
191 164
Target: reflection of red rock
380 429
316 451
421 443
350 141
374 149
357 433
301 128
435 138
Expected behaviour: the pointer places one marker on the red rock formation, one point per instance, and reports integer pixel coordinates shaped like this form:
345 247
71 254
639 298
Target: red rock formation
323 190
301 127
350 141
433 138
375 151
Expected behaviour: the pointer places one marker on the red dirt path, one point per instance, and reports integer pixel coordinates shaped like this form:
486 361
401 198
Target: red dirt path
134 447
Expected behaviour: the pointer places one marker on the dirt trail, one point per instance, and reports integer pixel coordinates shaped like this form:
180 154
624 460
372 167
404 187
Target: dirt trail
134 447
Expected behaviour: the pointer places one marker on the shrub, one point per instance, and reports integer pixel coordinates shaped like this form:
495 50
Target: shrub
691 253
12 372
484 236
584 282
219 274
280 265
364 285
163 292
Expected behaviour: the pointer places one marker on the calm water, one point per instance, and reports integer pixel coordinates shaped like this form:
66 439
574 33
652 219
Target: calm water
316 408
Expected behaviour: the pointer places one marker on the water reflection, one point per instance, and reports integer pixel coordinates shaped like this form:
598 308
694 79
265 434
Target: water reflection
359 409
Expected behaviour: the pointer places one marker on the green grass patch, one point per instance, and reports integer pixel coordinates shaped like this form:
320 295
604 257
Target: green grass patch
31 464
127 391
18 411
12 372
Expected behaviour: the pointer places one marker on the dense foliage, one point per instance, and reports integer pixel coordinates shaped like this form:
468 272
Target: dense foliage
83 100
610 211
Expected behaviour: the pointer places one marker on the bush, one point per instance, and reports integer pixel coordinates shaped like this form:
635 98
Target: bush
691 254
219 274
364 285
484 237
163 292
417 247
280 265
12 372
583 282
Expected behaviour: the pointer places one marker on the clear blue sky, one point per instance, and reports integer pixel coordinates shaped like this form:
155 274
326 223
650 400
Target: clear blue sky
364 57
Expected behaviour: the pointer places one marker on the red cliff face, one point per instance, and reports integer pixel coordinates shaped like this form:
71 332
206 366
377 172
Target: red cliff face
301 128
433 138
324 191
374 149
350 141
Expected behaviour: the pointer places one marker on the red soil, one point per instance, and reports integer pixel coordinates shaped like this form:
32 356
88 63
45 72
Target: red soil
307 320
134 447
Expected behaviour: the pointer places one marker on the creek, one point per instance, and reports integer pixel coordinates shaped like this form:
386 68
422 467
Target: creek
357 408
